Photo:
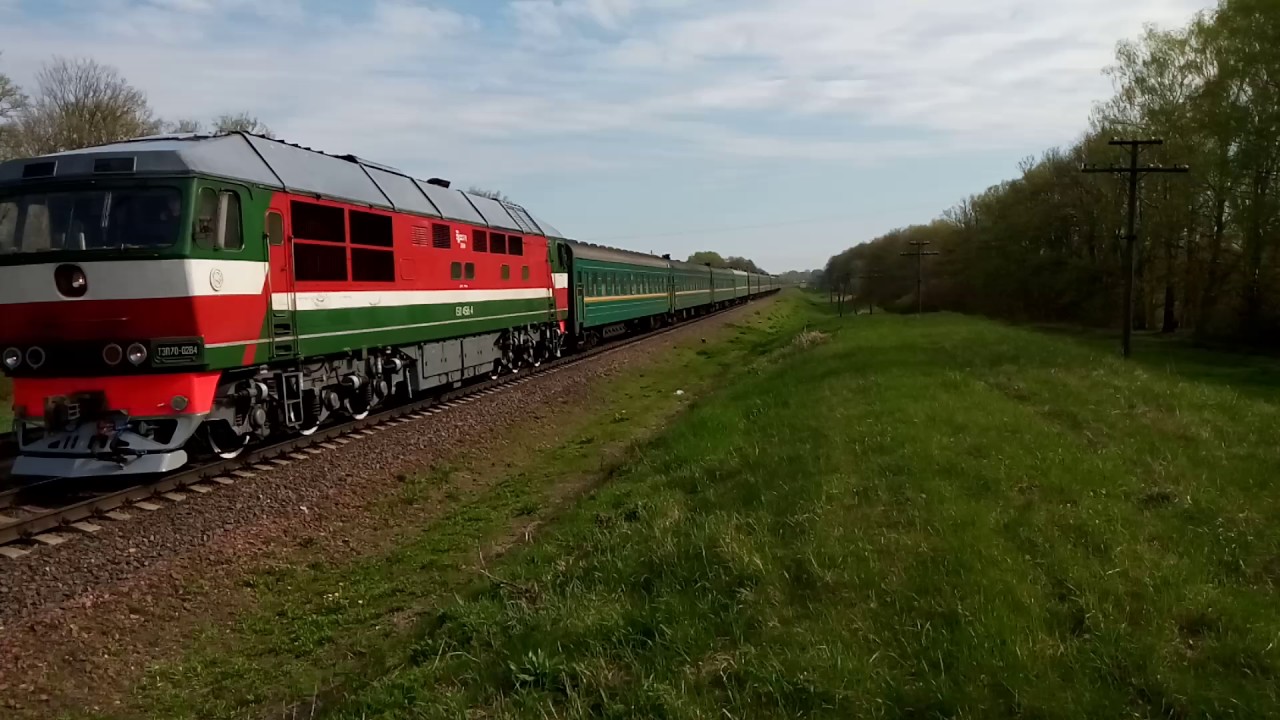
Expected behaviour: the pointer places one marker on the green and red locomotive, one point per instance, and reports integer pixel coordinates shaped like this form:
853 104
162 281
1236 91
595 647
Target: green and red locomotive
182 294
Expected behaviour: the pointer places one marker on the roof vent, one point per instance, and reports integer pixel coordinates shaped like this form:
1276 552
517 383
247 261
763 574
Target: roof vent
438 181
39 169
115 165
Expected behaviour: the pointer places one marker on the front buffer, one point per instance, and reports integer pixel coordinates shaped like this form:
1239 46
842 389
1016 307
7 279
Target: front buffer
108 426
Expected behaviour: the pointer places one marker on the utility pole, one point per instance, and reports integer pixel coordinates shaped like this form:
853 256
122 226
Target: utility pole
1135 173
919 254
871 301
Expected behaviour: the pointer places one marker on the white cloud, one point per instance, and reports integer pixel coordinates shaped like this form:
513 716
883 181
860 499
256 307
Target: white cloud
560 89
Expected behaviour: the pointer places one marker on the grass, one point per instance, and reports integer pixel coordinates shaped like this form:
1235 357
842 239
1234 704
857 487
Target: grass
320 629
875 516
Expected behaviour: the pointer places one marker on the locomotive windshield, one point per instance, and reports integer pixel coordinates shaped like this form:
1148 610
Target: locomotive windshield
98 219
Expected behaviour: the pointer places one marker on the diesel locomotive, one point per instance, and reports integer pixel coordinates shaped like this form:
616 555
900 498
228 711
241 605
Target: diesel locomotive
172 297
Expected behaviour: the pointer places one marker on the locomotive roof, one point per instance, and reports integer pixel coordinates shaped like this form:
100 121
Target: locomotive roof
284 166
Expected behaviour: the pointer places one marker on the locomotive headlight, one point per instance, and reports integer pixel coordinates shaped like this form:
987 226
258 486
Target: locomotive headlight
137 353
112 354
35 357
12 358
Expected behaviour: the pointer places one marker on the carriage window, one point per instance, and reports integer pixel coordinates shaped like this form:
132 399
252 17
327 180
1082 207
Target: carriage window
455 271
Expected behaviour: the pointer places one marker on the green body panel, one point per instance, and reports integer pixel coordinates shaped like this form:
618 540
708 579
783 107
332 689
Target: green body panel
323 332
617 292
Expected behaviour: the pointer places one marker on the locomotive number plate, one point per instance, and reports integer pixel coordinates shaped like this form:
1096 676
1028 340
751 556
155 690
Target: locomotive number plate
179 352
464 310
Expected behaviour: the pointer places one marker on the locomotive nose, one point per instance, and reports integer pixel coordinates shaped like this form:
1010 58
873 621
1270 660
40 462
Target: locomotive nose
71 281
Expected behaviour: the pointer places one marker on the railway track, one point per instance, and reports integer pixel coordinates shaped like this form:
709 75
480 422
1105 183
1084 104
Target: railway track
35 515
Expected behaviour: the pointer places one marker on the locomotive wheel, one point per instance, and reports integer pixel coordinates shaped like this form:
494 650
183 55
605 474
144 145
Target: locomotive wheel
225 443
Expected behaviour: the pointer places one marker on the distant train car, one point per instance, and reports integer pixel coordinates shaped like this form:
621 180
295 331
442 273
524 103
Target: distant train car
617 290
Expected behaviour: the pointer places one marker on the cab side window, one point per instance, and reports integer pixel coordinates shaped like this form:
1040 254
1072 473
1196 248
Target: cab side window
217 220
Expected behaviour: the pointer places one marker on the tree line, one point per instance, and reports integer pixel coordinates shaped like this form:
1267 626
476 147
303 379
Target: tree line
79 102
1046 246
733 262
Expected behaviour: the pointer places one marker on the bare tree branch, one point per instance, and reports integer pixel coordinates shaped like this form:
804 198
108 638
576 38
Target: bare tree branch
241 122
79 103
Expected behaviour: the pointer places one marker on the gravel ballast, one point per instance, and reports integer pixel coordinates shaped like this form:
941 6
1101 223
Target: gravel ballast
95 607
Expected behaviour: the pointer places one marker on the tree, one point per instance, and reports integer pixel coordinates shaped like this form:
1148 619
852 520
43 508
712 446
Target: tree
12 100
241 122
708 257
79 103
226 123
492 194
184 127
1045 245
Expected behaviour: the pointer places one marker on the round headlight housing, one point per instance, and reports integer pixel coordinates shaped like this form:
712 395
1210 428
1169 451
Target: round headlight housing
12 358
35 357
112 354
137 353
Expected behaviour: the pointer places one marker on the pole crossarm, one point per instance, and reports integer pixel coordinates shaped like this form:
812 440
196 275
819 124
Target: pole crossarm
919 254
1135 173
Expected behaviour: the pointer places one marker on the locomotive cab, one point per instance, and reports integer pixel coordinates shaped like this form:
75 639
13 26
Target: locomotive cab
126 282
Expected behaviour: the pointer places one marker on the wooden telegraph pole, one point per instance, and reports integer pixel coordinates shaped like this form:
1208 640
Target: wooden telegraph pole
871 302
1135 173
919 254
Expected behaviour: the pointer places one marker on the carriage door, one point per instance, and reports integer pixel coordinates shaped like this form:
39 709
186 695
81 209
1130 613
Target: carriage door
579 300
284 342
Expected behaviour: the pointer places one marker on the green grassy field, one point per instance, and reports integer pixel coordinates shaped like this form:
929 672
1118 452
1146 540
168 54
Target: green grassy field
878 517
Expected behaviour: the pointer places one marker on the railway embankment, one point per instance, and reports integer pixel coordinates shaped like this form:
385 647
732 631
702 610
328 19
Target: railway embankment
81 625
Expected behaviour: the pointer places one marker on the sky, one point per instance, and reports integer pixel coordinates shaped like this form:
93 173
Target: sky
779 130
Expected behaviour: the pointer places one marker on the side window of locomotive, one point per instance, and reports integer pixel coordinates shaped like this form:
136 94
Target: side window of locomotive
506 272
275 228
524 273
470 271
515 245
217 221
206 221
455 271
8 226
232 235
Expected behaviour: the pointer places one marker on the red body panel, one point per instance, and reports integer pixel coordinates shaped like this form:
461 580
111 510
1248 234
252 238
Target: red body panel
137 395
216 319
420 266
